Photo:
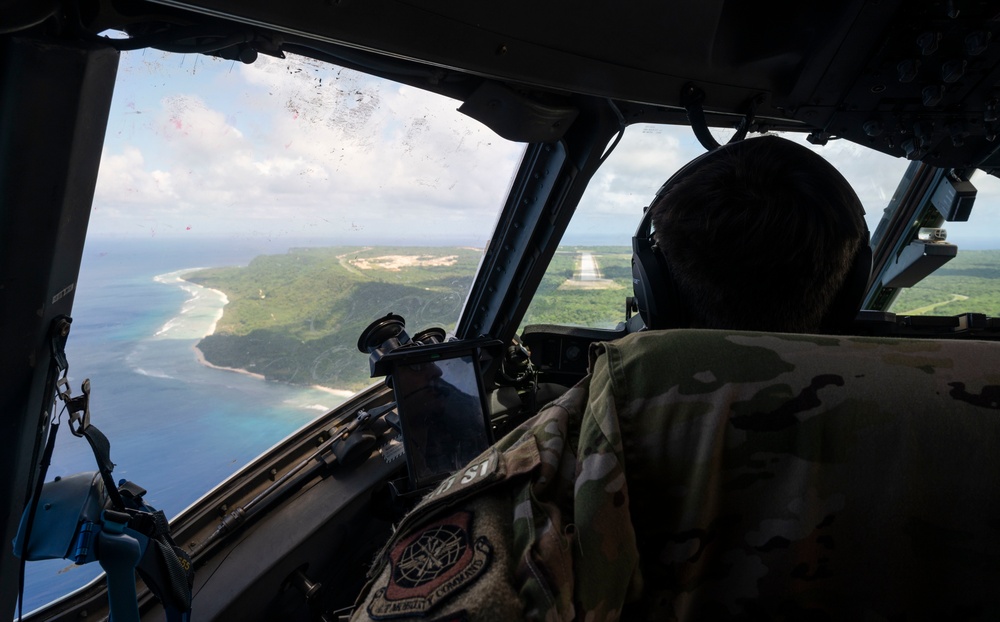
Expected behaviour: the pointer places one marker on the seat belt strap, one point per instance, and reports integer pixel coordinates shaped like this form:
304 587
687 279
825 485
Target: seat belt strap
102 452
79 424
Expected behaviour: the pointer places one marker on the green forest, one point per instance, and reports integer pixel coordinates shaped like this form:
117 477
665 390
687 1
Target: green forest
296 317
969 283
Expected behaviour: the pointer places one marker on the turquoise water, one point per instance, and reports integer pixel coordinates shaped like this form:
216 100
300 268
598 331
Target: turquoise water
177 428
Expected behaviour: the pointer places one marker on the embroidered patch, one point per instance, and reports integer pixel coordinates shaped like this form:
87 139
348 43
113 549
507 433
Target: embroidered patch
474 476
430 566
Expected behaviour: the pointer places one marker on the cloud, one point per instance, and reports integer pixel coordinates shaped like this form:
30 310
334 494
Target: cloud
124 177
194 132
649 154
303 146
641 162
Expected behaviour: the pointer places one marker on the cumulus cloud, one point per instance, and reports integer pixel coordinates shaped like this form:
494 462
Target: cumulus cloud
125 177
303 146
649 154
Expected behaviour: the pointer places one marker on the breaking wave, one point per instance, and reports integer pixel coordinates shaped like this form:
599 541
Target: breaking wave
199 314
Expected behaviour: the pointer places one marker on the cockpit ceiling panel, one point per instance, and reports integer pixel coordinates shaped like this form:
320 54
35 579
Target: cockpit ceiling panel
642 51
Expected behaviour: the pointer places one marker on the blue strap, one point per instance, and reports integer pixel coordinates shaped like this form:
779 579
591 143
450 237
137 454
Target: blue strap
119 555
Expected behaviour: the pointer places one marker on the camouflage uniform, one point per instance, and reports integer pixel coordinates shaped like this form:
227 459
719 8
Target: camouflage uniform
716 475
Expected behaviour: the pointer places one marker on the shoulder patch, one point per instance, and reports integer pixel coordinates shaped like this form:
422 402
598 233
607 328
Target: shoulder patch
474 476
430 566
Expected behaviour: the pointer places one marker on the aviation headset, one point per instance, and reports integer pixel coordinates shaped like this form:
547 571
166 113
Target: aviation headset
658 300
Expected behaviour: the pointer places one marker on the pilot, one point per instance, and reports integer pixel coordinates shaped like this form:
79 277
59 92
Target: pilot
758 235
656 490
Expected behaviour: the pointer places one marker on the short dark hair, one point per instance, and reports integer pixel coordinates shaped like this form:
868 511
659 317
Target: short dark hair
759 236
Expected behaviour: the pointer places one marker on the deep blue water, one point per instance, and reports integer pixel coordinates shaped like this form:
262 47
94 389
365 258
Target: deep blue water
177 428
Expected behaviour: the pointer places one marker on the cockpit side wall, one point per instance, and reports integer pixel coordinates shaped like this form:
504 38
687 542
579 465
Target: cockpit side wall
54 100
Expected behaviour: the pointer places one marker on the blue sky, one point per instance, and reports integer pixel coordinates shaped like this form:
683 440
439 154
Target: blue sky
200 147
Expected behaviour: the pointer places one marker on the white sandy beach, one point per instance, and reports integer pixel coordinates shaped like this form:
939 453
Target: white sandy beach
338 392
218 300
201 359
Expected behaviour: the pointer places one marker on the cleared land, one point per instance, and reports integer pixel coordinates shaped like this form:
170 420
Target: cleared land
563 298
587 275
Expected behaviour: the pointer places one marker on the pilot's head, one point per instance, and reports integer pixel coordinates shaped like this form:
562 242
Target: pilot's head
763 235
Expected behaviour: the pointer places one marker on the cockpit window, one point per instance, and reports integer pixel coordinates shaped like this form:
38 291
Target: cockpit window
249 222
969 283
587 282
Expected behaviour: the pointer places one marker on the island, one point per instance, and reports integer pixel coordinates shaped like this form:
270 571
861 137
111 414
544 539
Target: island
296 317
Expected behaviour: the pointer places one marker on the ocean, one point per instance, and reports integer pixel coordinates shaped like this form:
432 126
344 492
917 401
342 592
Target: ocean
177 427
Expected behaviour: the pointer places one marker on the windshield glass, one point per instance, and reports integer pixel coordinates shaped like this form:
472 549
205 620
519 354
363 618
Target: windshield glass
591 275
249 222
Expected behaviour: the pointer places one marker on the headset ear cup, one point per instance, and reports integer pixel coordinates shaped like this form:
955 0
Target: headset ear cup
653 285
656 294
845 306
643 271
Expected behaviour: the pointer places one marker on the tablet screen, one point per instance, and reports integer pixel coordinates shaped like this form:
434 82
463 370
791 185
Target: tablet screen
442 414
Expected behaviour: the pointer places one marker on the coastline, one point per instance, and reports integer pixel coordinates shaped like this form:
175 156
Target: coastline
344 393
218 315
200 356
201 359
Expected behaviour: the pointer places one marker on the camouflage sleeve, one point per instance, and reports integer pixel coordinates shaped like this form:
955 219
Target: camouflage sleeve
494 541
606 562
